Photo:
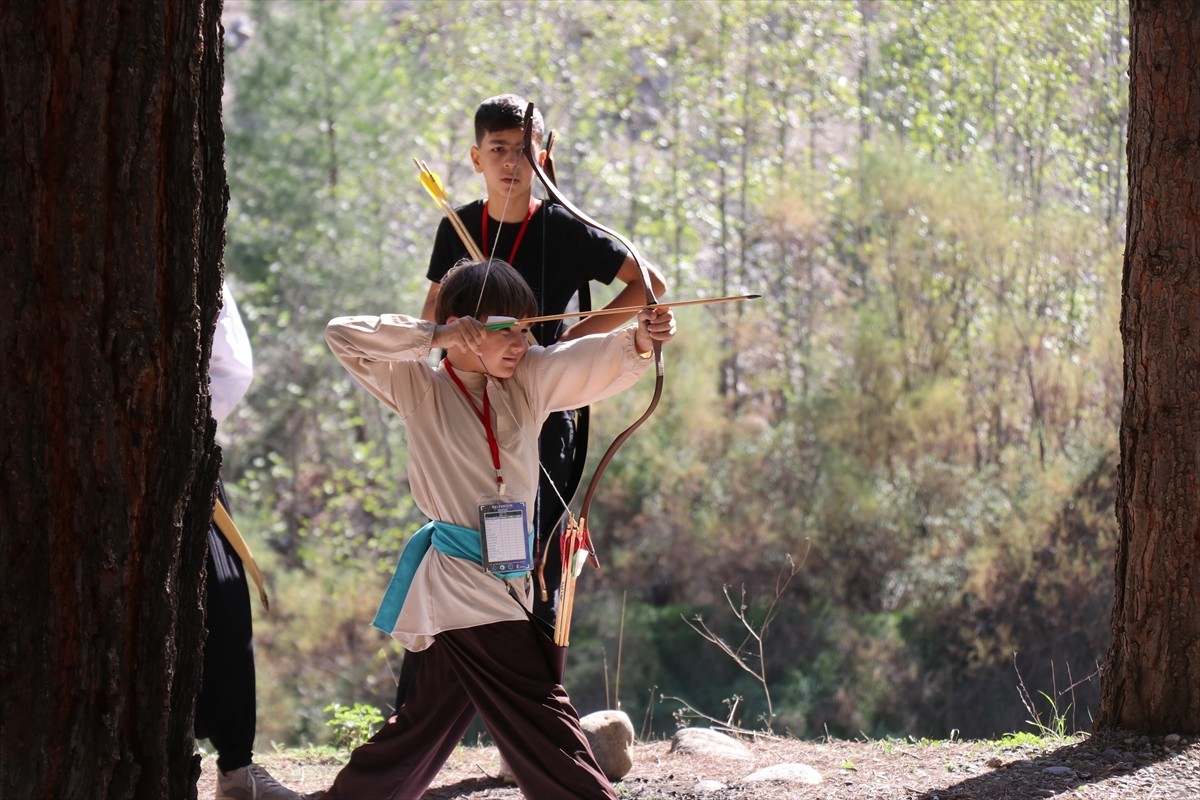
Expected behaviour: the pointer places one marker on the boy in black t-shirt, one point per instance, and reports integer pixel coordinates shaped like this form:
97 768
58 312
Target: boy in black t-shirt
557 255
553 251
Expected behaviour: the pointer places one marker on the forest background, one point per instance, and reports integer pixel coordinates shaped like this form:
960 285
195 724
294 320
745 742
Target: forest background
920 414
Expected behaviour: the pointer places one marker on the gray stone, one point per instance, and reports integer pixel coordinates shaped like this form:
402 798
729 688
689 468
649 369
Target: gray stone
610 734
788 773
704 787
1059 771
707 742
506 773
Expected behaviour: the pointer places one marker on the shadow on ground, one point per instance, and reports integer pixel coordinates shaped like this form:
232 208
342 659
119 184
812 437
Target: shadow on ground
466 787
1114 758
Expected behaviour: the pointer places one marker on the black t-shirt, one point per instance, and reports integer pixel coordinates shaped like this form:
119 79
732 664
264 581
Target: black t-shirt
558 254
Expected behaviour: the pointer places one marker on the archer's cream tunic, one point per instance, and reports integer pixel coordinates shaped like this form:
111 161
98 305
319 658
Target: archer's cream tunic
450 467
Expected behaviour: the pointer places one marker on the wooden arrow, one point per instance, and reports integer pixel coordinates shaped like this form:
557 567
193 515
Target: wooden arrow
508 323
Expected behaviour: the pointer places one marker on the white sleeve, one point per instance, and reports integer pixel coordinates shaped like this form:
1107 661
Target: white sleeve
385 354
232 364
582 371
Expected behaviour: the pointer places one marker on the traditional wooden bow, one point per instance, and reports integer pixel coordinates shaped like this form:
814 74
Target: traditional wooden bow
576 541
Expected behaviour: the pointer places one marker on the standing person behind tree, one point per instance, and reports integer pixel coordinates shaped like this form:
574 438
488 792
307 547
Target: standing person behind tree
557 255
226 705
462 591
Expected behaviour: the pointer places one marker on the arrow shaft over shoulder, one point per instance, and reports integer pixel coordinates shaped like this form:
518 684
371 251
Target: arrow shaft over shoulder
433 185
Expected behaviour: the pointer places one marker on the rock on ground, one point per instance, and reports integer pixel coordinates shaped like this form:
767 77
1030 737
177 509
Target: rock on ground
610 734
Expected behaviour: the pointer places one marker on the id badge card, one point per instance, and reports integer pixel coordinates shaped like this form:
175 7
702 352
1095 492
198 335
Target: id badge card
503 528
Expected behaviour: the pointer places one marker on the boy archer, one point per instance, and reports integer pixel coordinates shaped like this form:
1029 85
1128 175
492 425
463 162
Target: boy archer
462 593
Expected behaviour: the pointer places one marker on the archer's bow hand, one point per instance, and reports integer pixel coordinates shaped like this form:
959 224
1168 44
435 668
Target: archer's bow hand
655 324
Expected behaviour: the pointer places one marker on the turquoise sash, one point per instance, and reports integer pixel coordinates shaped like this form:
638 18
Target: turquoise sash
451 540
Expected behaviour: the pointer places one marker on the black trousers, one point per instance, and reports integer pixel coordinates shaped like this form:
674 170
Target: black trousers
225 707
501 672
556 449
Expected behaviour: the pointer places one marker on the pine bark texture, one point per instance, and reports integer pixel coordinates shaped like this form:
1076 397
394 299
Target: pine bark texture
1151 681
112 212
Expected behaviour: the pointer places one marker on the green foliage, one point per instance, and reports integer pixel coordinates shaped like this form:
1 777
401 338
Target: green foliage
1055 727
352 726
920 410
1022 739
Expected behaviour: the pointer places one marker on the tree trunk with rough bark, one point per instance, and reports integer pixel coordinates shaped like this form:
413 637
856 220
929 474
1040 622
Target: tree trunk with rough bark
1151 681
112 214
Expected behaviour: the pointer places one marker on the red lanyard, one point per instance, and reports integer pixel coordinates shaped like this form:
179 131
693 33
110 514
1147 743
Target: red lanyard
533 205
485 416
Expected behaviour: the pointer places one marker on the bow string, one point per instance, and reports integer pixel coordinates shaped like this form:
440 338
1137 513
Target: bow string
651 300
579 540
583 415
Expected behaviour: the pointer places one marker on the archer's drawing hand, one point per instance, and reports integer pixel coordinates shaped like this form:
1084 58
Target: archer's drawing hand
655 324
460 333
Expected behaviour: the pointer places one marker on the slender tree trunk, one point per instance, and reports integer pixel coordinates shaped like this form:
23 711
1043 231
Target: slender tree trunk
112 210
1151 681
867 10
728 385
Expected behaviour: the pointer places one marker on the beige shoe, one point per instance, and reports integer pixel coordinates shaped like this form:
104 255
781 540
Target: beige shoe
251 783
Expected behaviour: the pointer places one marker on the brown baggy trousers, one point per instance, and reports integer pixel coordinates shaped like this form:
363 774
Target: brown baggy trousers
500 671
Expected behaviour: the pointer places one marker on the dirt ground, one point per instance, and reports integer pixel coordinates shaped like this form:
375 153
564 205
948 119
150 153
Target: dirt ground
1101 767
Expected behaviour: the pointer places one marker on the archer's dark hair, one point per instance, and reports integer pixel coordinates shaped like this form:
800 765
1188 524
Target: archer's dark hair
479 289
503 113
